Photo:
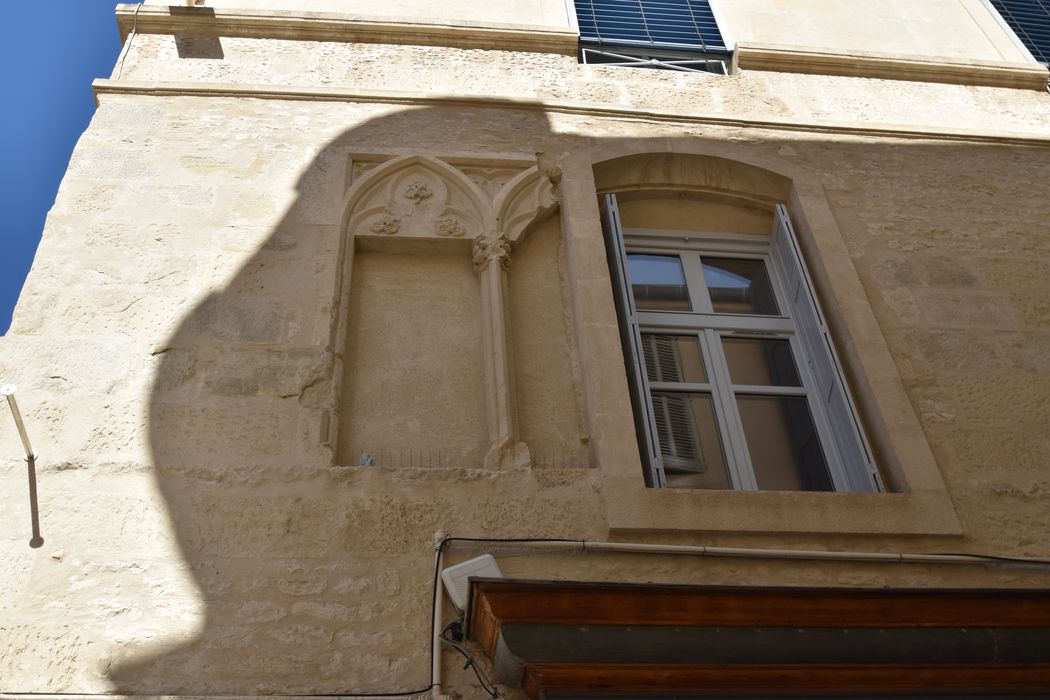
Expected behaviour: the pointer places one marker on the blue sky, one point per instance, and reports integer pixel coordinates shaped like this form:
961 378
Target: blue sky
52 52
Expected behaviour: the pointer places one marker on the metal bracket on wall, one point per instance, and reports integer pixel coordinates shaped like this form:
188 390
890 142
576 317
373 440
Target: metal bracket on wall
8 391
647 59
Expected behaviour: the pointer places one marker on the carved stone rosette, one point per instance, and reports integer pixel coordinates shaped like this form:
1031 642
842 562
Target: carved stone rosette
385 224
449 227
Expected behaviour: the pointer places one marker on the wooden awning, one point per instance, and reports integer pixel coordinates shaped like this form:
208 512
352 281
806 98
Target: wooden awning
565 638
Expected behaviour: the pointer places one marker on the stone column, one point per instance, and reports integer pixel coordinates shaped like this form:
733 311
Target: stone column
491 257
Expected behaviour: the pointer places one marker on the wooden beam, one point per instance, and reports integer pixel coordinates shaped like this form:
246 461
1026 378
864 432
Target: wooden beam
508 602
711 680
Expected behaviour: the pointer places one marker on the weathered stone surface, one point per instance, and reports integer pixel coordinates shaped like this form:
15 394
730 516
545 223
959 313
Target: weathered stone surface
545 77
203 353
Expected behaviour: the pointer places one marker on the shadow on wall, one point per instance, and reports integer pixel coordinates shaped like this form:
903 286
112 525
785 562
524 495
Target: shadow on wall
316 578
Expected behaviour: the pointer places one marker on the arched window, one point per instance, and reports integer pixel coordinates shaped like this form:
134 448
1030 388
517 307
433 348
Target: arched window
733 375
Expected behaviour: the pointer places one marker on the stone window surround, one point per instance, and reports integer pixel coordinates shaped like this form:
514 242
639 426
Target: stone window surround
917 503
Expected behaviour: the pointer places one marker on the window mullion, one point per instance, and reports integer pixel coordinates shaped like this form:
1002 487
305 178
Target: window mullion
769 390
674 321
694 279
680 386
729 424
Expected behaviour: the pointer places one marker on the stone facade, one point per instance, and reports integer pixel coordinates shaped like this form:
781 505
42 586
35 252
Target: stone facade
304 302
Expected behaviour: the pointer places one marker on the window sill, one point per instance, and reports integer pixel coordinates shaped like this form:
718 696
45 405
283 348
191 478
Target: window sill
631 507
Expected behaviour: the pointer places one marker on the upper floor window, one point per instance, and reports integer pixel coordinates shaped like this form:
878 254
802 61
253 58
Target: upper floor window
669 34
734 377
1030 20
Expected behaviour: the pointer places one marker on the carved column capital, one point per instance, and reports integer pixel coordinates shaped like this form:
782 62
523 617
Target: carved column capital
488 249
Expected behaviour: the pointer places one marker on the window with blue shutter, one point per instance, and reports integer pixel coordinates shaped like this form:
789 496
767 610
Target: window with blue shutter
1030 20
669 34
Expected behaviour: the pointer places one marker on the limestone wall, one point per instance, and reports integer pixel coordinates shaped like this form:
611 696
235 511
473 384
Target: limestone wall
957 29
379 69
203 353
173 347
964 29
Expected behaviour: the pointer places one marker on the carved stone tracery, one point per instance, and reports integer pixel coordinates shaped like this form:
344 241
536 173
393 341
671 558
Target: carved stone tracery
424 197
525 202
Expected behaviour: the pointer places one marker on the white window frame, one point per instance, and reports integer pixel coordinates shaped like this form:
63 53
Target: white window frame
845 449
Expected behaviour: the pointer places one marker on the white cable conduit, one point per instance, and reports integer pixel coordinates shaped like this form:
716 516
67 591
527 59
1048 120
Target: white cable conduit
440 540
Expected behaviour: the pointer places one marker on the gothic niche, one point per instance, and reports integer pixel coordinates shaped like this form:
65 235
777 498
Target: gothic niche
417 197
423 296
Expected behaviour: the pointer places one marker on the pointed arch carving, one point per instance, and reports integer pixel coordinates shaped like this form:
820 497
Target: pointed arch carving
417 196
423 197
524 202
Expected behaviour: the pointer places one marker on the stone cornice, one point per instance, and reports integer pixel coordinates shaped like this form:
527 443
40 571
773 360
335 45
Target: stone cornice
790 59
105 86
323 26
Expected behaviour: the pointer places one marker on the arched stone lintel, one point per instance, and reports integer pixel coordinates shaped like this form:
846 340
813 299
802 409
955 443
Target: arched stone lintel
693 172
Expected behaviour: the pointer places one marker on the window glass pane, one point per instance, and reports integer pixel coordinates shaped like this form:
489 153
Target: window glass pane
689 441
761 361
658 282
673 358
783 443
739 287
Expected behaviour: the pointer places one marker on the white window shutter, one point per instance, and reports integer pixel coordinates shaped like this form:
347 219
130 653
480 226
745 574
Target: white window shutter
632 341
857 472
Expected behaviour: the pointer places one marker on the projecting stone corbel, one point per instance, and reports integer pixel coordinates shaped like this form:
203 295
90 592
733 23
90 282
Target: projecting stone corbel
491 258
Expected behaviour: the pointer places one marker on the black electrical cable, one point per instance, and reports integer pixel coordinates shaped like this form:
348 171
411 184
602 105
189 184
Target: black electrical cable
457 625
131 39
